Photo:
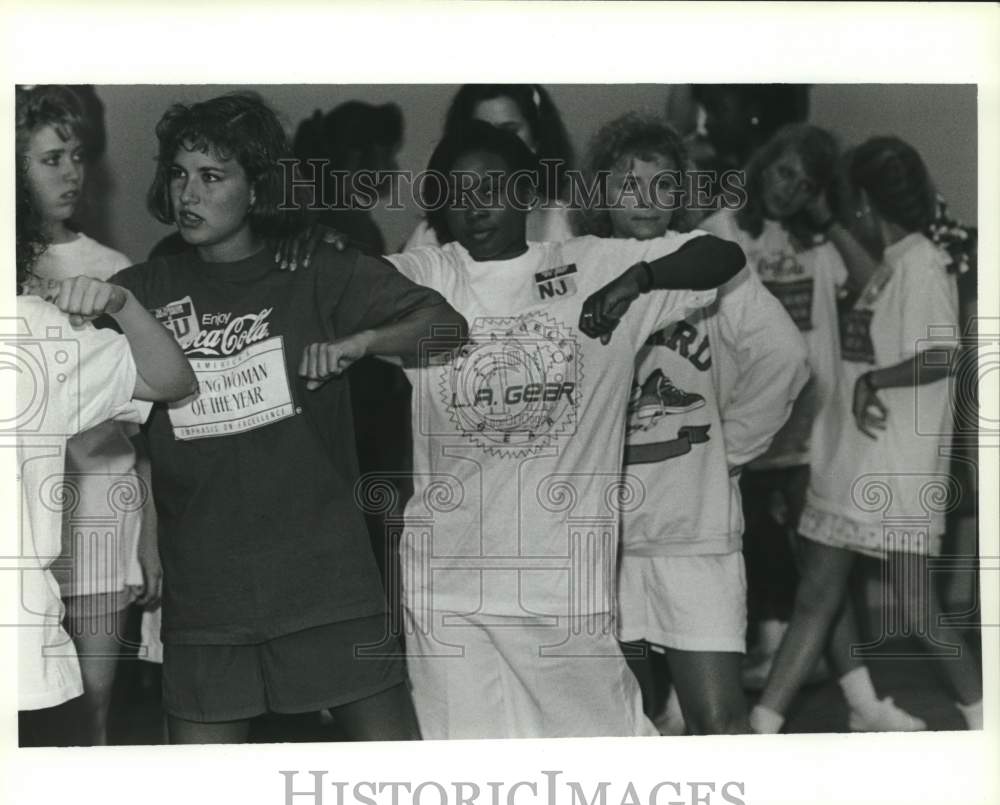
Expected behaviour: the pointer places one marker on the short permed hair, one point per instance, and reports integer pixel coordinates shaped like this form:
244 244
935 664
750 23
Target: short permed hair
236 126
633 135
49 105
475 135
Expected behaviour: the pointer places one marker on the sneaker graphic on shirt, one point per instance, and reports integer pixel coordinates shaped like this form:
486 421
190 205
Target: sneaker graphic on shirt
658 397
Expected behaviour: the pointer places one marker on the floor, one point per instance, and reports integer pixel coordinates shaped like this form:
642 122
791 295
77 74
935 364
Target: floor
136 720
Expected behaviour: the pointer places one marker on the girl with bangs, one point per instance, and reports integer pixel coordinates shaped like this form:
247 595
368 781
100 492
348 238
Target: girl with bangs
709 393
102 571
880 445
96 381
803 271
272 599
528 112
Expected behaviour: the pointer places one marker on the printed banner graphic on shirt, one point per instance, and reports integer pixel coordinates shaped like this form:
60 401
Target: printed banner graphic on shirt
786 278
856 336
514 388
656 452
797 299
237 393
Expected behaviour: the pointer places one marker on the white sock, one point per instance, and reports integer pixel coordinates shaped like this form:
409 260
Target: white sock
973 714
765 721
858 689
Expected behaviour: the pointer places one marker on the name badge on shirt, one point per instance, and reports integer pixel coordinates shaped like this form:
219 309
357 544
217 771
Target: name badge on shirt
236 393
856 336
555 282
796 297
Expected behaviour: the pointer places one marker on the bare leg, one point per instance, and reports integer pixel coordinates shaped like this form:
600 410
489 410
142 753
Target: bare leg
917 596
708 686
386 716
818 600
843 636
96 637
182 731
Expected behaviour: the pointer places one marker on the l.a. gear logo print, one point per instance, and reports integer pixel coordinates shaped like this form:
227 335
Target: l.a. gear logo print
515 387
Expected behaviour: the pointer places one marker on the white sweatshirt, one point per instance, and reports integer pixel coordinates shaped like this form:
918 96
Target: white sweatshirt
709 394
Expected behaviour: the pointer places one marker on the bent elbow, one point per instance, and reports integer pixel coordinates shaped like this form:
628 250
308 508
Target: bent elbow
733 259
186 386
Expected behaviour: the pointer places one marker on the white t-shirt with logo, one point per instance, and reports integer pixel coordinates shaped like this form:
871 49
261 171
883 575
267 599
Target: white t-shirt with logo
805 282
102 523
902 473
69 380
709 394
518 441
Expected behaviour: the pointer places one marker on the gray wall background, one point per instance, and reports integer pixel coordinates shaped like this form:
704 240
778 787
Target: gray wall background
939 120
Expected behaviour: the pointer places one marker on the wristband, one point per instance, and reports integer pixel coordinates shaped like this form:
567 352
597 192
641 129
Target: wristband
647 271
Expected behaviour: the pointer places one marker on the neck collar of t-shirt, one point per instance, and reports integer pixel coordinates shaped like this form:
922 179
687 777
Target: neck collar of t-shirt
69 244
506 267
895 252
248 269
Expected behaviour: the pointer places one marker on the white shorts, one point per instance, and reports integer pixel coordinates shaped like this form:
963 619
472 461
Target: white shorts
485 676
688 603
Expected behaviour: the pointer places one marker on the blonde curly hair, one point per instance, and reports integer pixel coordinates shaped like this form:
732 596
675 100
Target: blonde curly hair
634 134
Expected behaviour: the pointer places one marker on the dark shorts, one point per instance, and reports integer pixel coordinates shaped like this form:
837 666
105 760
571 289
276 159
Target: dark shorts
301 672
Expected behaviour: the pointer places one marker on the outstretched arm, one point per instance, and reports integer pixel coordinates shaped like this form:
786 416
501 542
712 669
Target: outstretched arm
701 263
162 371
413 337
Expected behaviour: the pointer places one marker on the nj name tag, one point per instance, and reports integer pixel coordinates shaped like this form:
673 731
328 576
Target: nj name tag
555 282
236 393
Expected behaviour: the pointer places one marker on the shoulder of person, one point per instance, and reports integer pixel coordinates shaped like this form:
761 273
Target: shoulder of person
98 252
721 223
329 263
159 272
921 261
422 235
36 315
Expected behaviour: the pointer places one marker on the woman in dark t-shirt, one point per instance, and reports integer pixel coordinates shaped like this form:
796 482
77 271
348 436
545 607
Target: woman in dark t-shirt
272 598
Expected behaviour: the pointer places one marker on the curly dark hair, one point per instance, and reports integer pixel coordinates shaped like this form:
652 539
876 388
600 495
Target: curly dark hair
238 126
536 106
53 105
474 135
31 239
818 151
634 134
